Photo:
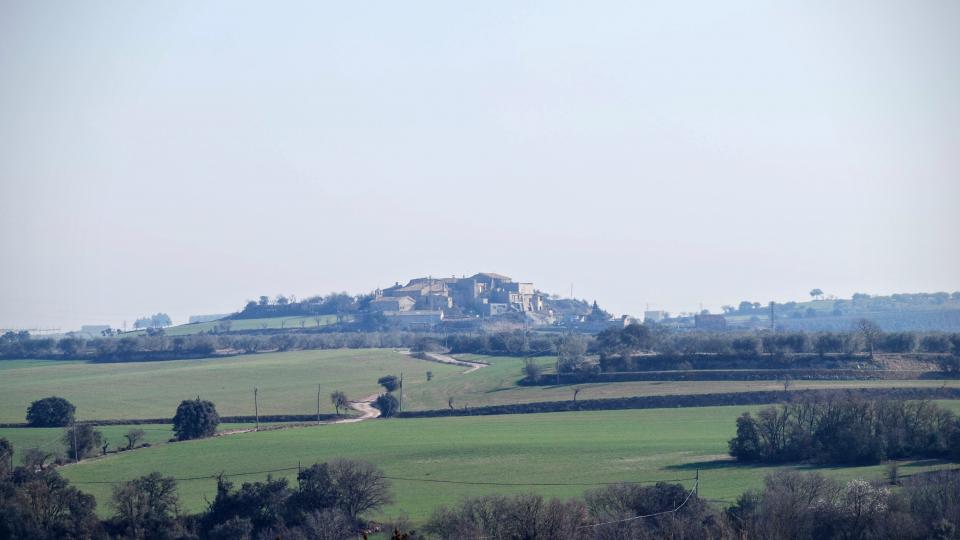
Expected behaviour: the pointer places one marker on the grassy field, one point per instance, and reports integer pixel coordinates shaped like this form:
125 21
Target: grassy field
250 324
287 382
50 440
496 385
571 448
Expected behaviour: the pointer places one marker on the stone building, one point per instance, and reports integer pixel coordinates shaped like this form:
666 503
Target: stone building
392 303
415 320
486 294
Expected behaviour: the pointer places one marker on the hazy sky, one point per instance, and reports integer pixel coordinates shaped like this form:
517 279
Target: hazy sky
185 157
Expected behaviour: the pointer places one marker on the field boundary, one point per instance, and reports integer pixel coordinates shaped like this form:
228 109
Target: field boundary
690 400
305 418
762 397
772 374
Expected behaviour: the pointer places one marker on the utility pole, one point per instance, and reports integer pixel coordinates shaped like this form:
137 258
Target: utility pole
558 364
773 316
256 409
696 486
318 404
75 456
400 404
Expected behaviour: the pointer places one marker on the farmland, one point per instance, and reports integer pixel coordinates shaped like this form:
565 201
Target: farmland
288 382
631 445
496 385
49 440
567 448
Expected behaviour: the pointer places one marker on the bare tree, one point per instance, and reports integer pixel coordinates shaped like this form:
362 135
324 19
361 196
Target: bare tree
360 486
787 383
869 331
339 400
450 402
6 457
35 459
531 370
146 506
133 437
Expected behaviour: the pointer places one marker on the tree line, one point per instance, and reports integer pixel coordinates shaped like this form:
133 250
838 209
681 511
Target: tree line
288 306
790 506
328 501
615 348
848 431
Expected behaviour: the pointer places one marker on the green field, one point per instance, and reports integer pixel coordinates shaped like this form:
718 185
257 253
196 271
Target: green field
581 447
249 324
287 382
50 439
496 385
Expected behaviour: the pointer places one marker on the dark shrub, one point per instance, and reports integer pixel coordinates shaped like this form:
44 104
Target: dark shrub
899 342
390 382
747 345
195 419
50 412
388 405
746 445
935 343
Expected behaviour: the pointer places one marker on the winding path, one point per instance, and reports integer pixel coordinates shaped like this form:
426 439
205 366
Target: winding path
446 359
365 406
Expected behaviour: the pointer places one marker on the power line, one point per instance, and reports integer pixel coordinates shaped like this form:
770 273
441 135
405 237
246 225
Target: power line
189 478
677 509
534 484
408 479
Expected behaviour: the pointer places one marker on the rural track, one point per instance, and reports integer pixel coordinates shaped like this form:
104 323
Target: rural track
363 406
446 359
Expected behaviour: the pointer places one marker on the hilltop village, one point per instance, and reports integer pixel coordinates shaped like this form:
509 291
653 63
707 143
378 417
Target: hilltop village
428 300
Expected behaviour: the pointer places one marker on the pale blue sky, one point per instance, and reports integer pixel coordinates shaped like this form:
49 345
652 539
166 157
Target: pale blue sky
179 157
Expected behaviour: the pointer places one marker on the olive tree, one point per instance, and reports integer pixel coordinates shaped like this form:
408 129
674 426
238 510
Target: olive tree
388 405
195 419
389 382
50 412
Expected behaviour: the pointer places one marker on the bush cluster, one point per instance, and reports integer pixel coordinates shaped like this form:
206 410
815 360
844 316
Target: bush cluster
328 502
846 431
791 506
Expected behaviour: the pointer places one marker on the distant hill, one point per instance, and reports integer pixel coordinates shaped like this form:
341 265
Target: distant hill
898 312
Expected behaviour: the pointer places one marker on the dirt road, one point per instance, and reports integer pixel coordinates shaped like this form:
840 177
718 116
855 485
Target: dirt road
363 406
445 359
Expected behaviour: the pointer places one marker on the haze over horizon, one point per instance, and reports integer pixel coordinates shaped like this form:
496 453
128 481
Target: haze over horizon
184 158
